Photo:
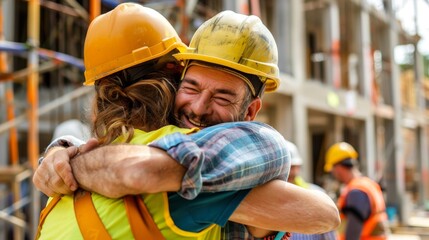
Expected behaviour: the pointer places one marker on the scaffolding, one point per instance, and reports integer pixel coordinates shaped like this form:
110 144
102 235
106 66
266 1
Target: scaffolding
20 216
56 61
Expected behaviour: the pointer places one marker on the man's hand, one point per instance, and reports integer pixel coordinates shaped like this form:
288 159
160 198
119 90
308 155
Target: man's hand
54 176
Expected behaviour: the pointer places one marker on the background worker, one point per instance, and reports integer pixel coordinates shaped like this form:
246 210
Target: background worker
361 202
224 100
296 178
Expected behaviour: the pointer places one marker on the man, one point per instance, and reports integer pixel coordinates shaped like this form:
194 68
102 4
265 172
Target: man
361 203
295 178
209 94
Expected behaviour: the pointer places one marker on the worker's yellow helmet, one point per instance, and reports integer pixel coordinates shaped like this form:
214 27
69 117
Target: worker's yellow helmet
338 153
239 42
128 35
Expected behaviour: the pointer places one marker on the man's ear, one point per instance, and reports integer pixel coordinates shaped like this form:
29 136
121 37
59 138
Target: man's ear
253 109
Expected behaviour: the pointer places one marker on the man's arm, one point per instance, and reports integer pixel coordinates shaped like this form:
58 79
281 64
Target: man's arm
282 206
357 211
144 170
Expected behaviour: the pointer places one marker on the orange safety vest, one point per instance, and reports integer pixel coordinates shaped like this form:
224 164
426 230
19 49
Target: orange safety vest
91 226
375 227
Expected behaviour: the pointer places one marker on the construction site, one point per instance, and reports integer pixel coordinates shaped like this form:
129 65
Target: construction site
351 70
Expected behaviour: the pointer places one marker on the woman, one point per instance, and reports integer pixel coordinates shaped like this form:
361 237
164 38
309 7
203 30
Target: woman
135 90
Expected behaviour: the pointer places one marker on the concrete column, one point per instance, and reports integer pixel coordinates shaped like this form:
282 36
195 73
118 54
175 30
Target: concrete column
422 160
396 191
367 76
298 50
230 5
423 165
297 38
301 134
370 147
365 52
332 44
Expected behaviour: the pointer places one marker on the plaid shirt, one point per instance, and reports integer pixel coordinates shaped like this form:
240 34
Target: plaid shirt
228 156
324 236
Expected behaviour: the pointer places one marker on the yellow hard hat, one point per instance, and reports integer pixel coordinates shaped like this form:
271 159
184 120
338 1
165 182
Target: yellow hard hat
239 42
128 35
337 153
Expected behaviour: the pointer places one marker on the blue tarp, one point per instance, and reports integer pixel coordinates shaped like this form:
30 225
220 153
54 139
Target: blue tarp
22 48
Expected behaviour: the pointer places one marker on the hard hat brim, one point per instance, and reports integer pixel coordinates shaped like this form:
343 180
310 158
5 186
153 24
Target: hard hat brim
328 168
271 83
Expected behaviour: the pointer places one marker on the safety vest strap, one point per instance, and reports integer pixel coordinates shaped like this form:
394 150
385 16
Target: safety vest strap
90 224
45 213
376 225
141 222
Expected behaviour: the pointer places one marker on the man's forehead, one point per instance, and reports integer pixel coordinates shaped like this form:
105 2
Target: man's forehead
199 68
204 74
215 81
235 77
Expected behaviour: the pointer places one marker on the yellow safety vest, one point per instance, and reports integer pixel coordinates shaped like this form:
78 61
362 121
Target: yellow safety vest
92 216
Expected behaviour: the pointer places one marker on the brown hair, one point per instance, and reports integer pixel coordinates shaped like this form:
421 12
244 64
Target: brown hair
121 105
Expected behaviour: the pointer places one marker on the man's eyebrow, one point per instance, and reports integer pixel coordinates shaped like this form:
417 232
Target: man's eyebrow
227 92
218 90
190 81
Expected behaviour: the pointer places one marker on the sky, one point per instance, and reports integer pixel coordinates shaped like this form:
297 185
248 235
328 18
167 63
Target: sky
406 13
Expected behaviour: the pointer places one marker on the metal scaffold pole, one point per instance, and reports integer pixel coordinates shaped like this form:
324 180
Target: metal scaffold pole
33 102
94 10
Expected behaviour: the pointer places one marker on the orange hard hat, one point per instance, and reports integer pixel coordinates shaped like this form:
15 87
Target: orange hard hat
128 35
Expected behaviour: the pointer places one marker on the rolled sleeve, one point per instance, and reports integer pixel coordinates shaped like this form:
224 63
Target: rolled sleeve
63 141
229 156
